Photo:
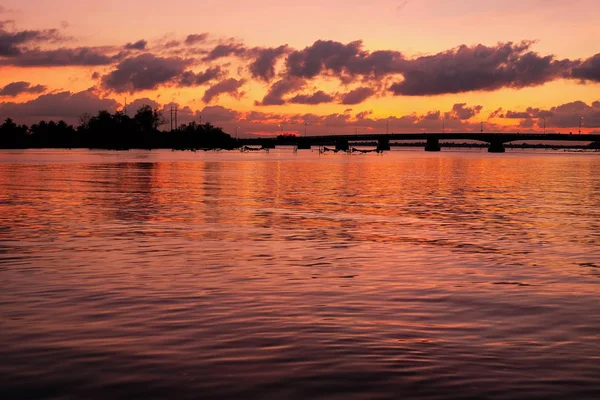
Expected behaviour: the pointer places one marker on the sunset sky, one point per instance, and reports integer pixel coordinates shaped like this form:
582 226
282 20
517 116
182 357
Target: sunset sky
338 66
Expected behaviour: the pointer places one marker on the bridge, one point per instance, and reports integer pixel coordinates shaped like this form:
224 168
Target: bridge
342 142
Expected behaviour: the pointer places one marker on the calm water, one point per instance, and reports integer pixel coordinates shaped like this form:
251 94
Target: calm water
282 276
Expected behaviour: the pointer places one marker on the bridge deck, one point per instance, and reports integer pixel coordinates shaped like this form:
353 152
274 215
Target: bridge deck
483 137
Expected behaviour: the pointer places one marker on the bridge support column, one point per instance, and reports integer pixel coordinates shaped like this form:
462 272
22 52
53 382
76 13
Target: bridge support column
383 145
433 144
341 145
496 147
304 144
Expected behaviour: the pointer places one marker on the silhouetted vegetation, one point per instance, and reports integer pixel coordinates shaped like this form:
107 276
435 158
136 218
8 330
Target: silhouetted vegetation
116 131
285 136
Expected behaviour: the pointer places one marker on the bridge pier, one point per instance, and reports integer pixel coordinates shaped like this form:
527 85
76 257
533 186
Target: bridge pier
496 147
433 144
383 145
342 145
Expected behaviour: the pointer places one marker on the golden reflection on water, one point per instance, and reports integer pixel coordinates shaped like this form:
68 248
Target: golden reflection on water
234 275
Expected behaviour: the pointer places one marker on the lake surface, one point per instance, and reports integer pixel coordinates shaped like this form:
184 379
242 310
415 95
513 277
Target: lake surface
142 275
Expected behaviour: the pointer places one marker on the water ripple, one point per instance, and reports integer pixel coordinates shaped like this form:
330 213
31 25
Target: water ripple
182 275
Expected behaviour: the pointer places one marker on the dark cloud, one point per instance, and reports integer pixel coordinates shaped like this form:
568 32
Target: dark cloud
526 123
215 114
96 75
190 78
530 112
588 69
274 96
462 112
563 116
139 45
263 66
228 86
517 114
139 103
432 116
315 98
16 88
342 60
144 72
479 67
357 95
322 55
225 50
196 38
171 44
64 105
363 114
82 56
11 42
497 113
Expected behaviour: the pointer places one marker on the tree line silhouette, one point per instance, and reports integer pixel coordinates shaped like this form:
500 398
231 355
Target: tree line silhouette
114 131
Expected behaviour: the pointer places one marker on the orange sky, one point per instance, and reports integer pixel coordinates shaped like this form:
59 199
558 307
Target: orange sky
484 78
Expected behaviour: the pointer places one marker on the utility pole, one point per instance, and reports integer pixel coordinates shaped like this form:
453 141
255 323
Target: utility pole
174 110
171 119
580 124
544 118
387 126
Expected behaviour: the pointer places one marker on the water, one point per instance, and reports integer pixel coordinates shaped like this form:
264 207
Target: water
229 275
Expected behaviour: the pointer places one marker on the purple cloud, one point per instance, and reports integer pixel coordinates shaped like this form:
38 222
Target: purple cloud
82 56
263 66
480 67
11 42
189 78
16 88
228 86
462 112
196 38
64 105
217 114
357 95
588 70
144 72
565 115
225 50
345 61
315 98
274 96
139 45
